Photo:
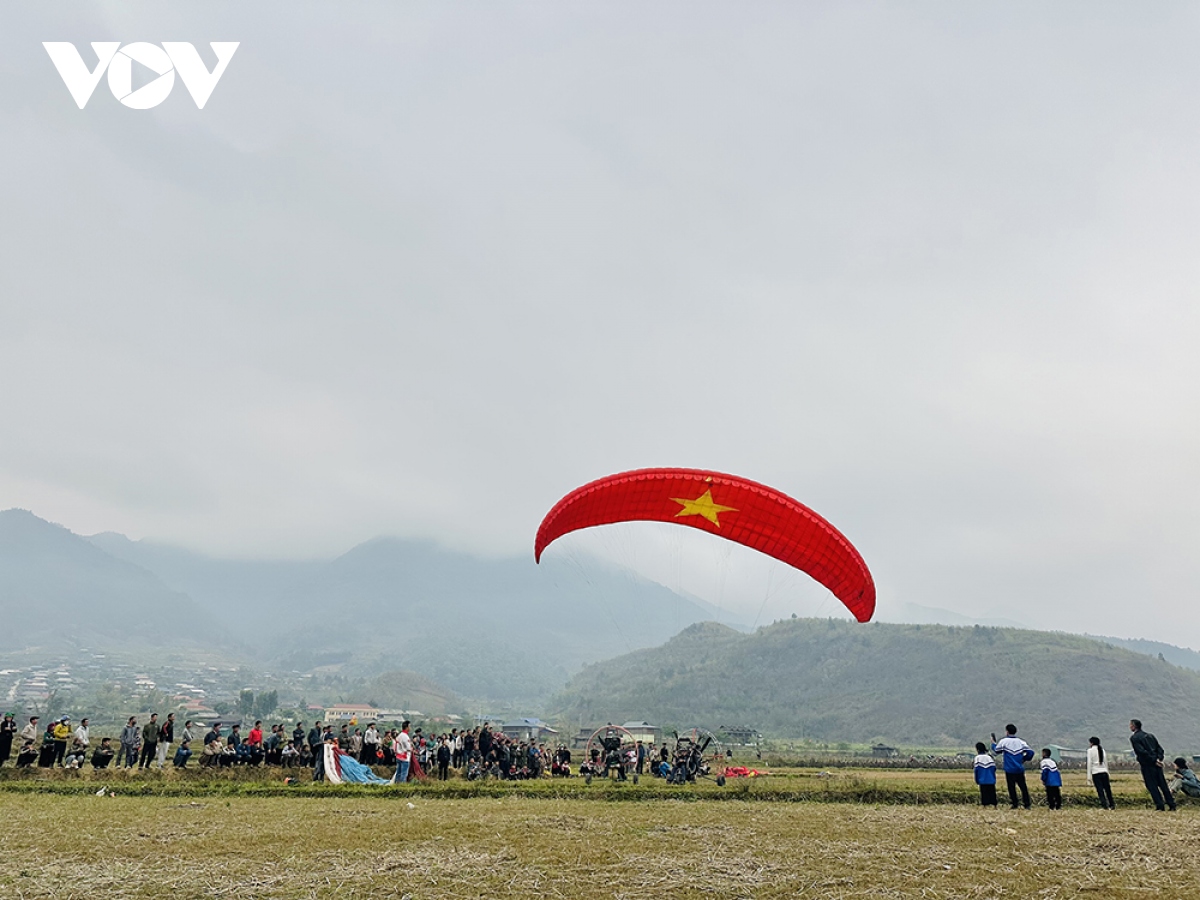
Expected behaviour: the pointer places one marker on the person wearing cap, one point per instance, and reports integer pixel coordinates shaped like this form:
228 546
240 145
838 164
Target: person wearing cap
62 734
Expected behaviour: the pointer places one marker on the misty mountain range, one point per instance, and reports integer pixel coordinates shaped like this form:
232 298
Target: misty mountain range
504 629
492 629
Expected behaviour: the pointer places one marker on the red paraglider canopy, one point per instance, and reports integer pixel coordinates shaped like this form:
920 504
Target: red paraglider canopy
730 507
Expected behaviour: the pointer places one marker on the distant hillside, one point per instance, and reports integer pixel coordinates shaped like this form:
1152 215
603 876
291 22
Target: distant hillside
908 684
505 630
410 691
1180 656
58 590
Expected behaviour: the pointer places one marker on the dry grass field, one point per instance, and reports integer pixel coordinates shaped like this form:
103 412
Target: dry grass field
363 843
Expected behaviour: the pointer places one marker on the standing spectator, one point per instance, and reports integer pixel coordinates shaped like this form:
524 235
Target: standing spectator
985 775
403 753
1052 780
641 758
46 751
8 731
149 742
166 736
131 737
1149 753
443 759
83 734
1016 754
314 740
189 732
298 735
62 734
30 731
273 745
485 740
370 746
1097 773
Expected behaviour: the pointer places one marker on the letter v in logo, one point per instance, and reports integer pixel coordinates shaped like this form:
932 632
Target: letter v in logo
80 82
196 78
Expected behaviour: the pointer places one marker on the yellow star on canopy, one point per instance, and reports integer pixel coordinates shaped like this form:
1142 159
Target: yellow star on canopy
702 506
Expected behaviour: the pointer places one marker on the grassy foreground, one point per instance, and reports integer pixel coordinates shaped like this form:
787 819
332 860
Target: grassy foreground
88 846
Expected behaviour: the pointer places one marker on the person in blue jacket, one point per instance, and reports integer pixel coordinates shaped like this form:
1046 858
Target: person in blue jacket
1052 779
1016 754
985 775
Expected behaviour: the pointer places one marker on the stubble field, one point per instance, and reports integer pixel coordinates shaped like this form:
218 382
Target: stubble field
418 843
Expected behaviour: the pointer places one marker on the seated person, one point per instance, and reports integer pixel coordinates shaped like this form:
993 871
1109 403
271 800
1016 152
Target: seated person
182 755
211 753
103 754
75 757
1185 779
289 756
27 755
243 754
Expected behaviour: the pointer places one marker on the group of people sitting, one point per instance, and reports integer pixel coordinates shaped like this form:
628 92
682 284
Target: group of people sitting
62 745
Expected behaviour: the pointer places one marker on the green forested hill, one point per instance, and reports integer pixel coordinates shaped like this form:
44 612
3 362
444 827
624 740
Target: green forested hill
907 684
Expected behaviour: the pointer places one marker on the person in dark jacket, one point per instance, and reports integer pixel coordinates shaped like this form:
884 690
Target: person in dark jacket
8 731
443 759
149 742
1149 753
103 754
27 755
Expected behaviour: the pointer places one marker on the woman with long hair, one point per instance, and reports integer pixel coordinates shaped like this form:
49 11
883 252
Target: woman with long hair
1097 773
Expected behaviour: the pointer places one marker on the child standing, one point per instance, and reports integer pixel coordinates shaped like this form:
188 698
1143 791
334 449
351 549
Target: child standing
985 775
1097 772
1052 779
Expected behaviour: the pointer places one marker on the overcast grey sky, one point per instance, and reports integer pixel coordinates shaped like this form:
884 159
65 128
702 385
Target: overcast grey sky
421 268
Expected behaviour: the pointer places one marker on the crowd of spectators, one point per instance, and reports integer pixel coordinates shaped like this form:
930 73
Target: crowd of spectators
471 753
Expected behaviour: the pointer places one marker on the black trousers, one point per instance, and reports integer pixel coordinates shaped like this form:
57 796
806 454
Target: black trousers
1156 784
1053 796
147 757
987 795
1103 790
1015 780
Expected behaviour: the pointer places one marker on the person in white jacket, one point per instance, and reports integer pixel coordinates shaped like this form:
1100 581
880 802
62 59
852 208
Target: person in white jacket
1097 773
